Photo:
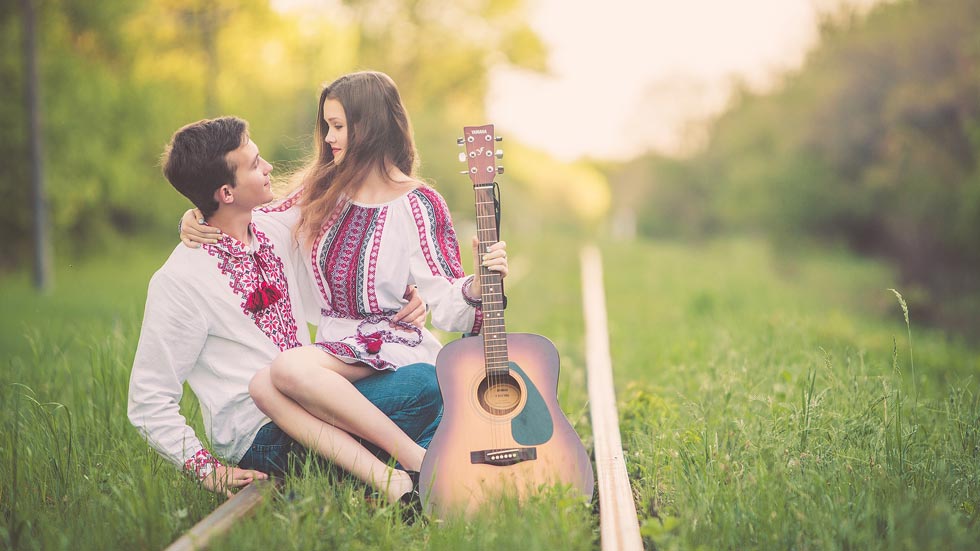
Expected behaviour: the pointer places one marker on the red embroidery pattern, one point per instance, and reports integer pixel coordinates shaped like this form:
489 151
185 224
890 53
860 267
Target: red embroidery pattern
345 257
328 229
343 350
262 297
251 273
372 295
340 262
340 256
283 205
435 223
201 464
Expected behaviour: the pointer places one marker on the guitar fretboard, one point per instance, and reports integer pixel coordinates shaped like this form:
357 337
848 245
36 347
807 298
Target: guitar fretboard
494 331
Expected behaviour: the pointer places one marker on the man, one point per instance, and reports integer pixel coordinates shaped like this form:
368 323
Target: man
218 314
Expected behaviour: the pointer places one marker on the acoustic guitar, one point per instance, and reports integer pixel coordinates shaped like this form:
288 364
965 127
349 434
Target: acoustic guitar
502 431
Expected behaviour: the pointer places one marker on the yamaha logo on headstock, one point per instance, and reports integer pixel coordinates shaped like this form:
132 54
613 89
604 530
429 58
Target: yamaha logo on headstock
480 156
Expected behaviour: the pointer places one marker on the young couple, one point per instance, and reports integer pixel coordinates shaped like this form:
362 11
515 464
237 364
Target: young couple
344 251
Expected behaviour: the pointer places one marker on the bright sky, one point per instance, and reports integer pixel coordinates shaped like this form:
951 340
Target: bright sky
627 76
630 75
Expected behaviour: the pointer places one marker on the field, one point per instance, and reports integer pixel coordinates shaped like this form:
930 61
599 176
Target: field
766 399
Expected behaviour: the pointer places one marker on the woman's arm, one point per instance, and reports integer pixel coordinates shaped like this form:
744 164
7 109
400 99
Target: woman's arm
194 231
453 297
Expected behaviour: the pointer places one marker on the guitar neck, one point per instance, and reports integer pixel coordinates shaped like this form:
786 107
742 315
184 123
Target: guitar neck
494 330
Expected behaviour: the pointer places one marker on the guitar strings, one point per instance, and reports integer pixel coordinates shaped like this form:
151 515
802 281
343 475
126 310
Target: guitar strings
486 233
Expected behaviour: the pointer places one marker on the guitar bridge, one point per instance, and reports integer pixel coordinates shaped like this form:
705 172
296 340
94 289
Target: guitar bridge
503 457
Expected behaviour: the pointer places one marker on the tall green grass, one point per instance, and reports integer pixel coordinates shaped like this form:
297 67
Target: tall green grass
75 475
765 402
768 405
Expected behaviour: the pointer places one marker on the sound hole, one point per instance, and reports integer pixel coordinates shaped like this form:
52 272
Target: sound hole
499 395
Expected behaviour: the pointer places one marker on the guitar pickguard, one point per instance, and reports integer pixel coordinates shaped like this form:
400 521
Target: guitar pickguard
533 425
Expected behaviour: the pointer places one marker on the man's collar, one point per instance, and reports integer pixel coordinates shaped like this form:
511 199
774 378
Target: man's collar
231 246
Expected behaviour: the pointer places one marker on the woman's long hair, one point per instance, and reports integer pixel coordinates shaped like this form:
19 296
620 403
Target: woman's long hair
379 136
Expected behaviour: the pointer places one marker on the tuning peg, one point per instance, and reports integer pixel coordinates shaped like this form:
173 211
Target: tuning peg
464 171
459 141
499 153
500 170
499 138
462 157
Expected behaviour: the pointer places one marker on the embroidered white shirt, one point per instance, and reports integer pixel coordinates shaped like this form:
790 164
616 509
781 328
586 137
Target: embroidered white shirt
360 264
212 319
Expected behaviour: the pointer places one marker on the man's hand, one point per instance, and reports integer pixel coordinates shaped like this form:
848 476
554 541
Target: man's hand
414 312
193 231
222 479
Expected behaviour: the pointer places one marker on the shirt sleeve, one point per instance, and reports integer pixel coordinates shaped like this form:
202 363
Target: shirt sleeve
171 339
436 266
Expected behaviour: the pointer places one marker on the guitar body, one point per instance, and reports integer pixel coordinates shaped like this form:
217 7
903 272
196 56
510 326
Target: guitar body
502 433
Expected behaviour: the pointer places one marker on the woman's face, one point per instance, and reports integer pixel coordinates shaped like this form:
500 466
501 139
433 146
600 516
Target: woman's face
336 119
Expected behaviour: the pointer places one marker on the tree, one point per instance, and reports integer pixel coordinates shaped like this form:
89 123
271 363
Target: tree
42 246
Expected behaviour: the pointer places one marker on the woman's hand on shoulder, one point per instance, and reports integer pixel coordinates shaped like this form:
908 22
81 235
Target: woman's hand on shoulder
194 231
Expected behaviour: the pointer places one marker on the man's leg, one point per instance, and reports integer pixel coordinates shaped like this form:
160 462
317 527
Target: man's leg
270 450
409 396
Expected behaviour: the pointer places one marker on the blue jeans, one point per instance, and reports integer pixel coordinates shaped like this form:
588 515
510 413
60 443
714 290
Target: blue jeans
409 396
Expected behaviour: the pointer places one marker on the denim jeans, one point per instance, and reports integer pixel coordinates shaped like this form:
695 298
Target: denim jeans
409 396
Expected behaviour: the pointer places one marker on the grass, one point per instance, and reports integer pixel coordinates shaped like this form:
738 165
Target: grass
768 405
766 401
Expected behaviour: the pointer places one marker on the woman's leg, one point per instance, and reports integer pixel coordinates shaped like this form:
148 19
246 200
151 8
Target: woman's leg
329 441
321 384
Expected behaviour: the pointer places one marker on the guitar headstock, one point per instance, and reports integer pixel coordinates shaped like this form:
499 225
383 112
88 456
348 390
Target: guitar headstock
480 156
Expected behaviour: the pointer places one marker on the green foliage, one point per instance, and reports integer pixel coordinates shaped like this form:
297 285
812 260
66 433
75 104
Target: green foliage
119 77
14 176
872 143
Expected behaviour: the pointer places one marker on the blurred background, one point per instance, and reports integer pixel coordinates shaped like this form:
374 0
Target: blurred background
851 125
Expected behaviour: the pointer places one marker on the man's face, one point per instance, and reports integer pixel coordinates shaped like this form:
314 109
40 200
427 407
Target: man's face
252 182
336 119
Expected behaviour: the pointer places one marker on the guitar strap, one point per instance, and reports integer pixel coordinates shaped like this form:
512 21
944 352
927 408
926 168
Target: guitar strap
496 211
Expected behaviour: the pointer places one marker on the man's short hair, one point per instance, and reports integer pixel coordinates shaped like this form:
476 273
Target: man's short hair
194 161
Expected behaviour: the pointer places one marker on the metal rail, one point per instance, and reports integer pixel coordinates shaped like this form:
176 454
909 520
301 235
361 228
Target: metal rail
618 524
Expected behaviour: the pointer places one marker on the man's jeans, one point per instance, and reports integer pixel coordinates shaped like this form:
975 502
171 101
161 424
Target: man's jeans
409 396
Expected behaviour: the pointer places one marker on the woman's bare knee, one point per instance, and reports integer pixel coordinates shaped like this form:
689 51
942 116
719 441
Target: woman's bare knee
260 388
284 372
293 370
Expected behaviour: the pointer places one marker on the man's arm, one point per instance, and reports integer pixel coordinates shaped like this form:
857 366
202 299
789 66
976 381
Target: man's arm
171 339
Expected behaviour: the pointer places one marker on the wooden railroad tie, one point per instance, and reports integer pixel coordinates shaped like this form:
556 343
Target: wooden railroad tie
219 521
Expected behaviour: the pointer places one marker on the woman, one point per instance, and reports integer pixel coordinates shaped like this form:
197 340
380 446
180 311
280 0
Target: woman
366 228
